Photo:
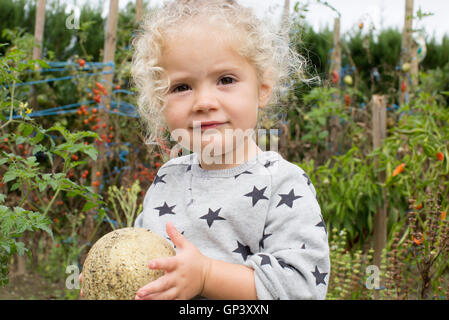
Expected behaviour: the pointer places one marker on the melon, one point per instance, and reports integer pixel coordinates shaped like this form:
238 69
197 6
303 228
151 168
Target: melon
117 264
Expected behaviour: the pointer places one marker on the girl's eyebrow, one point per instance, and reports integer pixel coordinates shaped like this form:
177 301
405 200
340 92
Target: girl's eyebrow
181 76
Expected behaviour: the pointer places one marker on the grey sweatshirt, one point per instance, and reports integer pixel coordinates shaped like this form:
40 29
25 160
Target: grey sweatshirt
263 214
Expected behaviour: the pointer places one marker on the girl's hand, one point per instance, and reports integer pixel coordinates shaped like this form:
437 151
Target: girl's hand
185 273
80 278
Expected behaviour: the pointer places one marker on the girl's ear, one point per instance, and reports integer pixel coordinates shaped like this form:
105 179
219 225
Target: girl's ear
265 89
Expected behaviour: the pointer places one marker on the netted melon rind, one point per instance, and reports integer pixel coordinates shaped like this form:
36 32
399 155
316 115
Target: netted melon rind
117 264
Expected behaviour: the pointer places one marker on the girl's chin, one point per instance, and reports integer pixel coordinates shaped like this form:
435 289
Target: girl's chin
213 148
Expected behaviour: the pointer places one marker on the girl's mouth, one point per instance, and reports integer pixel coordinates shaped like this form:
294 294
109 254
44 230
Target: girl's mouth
205 126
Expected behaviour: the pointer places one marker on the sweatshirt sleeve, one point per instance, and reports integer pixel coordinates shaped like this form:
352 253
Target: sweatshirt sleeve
293 260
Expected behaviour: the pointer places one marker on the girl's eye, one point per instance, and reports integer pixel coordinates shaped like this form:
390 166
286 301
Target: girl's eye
181 87
227 80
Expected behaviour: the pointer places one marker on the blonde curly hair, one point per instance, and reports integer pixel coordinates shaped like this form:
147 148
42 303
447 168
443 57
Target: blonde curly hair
264 45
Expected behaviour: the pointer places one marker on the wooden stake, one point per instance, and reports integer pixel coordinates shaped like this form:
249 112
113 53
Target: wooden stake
335 66
336 53
39 25
380 220
109 54
39 29
139 10
285 22
110 39
406 54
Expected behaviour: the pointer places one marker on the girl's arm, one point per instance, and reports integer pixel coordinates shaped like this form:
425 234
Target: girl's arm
229 281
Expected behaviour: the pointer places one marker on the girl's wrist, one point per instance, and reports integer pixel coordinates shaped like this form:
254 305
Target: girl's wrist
207 266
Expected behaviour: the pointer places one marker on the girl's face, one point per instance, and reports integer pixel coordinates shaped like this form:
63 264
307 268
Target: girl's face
210 81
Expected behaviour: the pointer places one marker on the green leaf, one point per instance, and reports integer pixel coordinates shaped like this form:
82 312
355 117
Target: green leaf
63 147
91 152
42 186
76 147
60 129
74 193
20 246
28 129
6 247
10 175
53 184
323 134
47 229
88 206
31 161
7 224
20 140
76 163
84 134
15 186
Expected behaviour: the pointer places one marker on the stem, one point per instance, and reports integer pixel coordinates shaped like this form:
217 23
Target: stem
117 214
12 105
22 201
93 233
52 200
64 170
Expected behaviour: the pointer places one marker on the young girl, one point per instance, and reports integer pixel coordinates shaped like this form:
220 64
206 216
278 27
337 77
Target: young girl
245 228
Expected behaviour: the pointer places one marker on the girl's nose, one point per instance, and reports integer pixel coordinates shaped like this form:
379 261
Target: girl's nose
205 101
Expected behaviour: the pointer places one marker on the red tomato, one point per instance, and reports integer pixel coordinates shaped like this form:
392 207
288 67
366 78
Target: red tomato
99 86
403 87
335 77
347 99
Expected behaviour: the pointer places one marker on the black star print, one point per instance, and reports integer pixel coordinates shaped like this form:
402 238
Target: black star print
303 246
172 242
288 198
212 216
307 177
189 167
283 264
159 179
247 172
165 209
319 277
321 224
265 259
257 195
245 251
269 163
263 238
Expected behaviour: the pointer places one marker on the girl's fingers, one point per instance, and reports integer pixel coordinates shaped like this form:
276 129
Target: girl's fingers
166 264
170 294
156 286
80 277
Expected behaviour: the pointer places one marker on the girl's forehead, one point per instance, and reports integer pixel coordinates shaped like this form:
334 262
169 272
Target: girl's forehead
194 54
202 26
197 39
